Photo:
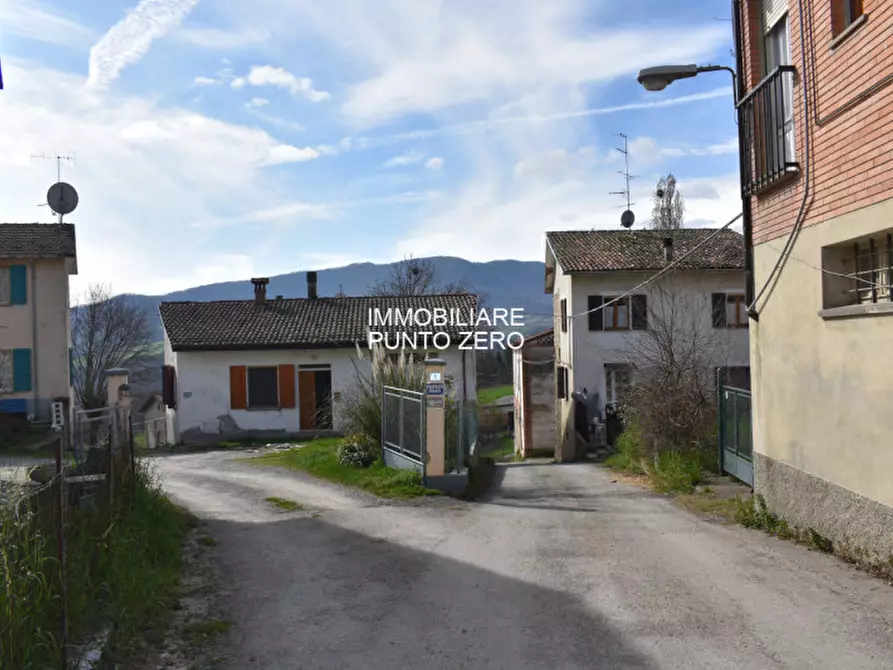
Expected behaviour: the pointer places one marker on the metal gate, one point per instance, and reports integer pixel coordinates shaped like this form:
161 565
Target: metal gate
735 434
404 429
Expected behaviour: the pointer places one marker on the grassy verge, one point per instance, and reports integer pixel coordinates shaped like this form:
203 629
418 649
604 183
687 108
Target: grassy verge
490 395
670 472
121 569
505 449
320 458
284 503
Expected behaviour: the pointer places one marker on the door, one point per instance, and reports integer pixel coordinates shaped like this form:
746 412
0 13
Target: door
323 399
307 398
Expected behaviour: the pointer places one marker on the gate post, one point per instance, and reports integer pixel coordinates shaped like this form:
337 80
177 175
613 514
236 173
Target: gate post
435 421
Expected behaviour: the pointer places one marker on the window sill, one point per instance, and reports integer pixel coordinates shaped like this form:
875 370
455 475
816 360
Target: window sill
849 30
790 174
263 409
855 311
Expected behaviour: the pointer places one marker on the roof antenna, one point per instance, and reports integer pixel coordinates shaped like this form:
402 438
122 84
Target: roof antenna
627 219
62 198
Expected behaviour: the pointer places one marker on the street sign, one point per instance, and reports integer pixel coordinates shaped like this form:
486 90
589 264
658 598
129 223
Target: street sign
436 401
435 389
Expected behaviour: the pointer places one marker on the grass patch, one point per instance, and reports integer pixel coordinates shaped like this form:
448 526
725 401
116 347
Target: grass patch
122 568
284 503
708 504
504 450
207 541
490 395
627 456
319 458
675 471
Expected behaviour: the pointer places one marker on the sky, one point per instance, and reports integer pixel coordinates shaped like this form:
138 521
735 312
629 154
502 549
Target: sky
216 140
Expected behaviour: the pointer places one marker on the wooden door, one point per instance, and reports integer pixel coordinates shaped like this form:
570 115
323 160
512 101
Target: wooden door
307 398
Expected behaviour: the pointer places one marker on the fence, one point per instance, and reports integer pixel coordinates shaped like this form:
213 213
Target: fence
151 433
461 433
403 429
735 433
55 514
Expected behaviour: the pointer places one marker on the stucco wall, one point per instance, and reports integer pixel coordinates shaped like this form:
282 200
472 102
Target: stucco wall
822 390
204 375
47 288
565 440
691 293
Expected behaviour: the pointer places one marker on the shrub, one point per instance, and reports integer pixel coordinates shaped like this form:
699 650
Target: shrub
629 451
675 471
357 450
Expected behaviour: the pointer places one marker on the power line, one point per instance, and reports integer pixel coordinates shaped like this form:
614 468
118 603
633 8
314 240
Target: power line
826 271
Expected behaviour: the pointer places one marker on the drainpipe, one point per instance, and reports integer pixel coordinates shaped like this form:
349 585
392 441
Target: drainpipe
35 377
464 390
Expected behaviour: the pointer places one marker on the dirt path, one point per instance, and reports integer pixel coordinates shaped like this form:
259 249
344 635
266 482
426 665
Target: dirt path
559 569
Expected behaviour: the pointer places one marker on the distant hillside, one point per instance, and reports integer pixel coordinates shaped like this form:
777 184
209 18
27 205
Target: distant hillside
505 284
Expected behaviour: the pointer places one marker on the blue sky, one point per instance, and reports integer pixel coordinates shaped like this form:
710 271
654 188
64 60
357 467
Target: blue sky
221 139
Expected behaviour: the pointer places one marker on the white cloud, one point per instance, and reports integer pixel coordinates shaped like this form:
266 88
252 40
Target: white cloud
257 102
344 144
206 81
285 153
35 21
555 164
130 39
214 38
434 163
409 158
279 122
267 75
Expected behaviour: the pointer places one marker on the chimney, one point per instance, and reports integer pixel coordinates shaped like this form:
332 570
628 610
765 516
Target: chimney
311 286
668 249
260 290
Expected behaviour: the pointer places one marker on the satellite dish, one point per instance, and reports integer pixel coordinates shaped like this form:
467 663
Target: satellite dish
62 198
627 219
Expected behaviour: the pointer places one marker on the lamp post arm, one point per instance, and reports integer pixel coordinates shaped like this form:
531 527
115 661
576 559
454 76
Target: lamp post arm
731 71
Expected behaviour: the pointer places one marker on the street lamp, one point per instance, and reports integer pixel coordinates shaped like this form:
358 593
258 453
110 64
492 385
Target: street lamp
657 79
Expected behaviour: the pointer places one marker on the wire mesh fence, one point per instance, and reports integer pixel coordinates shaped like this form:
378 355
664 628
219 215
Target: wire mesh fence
61 493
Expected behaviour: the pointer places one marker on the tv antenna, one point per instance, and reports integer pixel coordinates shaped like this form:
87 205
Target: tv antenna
62 198
627 218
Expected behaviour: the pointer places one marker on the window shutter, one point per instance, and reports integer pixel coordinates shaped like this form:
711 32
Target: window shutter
640 312
772 11
70 366
287 398
18 285
21 370
719 310
596 319
169 386
564 315
238 387
561 383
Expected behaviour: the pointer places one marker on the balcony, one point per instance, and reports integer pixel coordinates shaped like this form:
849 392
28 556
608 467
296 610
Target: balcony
767 114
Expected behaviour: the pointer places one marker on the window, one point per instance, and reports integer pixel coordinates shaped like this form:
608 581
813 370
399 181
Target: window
617 381
781 114
859 272
564 315
13 286
844 13
263 387
627 313
15 370
561 381
729 310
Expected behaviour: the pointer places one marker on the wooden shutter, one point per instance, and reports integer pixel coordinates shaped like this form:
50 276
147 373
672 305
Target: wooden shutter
561 379
169 386
238 387
564 315
287 387
640 312
21 370
596 319
719 310
18 285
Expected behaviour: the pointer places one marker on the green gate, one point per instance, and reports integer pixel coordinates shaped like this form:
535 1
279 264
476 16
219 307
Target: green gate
735 434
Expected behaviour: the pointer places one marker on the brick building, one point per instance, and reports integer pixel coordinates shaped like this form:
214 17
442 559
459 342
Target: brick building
817 159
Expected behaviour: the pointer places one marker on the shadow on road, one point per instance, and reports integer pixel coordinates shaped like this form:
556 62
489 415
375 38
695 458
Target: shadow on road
305 593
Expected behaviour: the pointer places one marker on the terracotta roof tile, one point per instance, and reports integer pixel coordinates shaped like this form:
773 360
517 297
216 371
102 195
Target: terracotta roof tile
293 322
37 240
600 250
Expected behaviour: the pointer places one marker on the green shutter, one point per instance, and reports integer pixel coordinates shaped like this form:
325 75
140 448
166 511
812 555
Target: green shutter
18 285
21 370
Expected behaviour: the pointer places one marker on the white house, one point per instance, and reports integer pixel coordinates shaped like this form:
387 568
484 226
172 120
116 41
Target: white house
282 365
36 260
596 341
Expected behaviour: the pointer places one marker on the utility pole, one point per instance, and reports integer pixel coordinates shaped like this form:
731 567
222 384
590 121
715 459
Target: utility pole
627 218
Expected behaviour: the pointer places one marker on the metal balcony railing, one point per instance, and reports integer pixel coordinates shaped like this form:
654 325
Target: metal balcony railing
767 115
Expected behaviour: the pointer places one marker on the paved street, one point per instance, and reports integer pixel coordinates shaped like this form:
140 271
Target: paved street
559 569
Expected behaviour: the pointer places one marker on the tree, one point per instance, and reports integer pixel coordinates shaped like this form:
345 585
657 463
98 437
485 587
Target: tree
668 212
415 276
107 332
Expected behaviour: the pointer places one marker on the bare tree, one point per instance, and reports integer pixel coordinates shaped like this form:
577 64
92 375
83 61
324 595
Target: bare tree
671 395
415 276
668 212
107 332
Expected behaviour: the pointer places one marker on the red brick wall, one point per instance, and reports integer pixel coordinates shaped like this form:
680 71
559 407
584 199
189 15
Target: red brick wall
852 153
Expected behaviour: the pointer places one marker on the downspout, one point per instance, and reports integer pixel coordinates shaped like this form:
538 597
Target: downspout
35 376
746 214
464 390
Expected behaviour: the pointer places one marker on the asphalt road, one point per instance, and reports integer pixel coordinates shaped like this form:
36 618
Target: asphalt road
559 569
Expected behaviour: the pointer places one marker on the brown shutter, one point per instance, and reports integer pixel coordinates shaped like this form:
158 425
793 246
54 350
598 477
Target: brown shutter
718 301
287 386
238 387
596 318
640 312
169 386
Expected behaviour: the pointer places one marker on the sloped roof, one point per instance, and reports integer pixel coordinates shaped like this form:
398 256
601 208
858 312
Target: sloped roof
286 323
544 338
614 250
37 240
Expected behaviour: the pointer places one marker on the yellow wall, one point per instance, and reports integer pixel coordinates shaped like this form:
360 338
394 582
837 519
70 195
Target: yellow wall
822 389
